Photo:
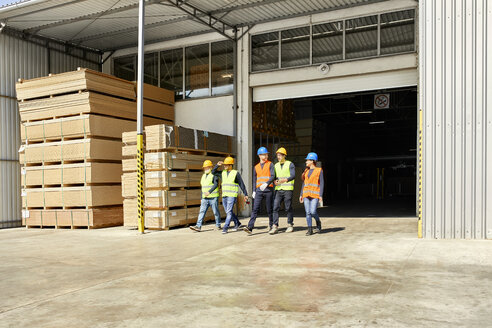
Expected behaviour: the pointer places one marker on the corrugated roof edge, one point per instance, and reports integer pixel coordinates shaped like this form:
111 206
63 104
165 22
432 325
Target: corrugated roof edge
20 3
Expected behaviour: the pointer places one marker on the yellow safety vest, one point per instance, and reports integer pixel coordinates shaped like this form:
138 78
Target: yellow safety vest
284 172
207 182
229 187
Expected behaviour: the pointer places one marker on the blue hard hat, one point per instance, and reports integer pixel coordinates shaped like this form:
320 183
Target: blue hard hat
262 150
312 156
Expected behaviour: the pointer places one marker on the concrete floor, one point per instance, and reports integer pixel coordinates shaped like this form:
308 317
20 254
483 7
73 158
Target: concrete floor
357 273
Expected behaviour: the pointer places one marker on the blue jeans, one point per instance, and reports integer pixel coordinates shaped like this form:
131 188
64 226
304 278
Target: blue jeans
311 207
228 203
206 203
267 195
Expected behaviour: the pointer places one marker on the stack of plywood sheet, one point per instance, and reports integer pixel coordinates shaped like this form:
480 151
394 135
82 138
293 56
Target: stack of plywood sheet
173 170
72 125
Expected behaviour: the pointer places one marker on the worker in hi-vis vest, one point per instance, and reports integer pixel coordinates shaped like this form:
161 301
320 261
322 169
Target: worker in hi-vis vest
231 183
263 177
312 191
210 196
285 173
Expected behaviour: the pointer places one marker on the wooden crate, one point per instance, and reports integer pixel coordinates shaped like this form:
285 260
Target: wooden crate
165 219
74 81
129 164
176 161
166 179
93 103
159 180
75 218
78 173
72 196
158 219
130 212
71 150
129 184
218 143
160 137
193 196
157 94
75 127
163 199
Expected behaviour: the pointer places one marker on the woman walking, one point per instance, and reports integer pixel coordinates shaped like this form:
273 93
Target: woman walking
312 191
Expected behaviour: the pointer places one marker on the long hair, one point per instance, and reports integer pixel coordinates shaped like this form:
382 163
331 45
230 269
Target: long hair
304 174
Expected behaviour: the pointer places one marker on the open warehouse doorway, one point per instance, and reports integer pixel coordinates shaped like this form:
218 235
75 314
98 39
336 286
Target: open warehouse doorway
366 143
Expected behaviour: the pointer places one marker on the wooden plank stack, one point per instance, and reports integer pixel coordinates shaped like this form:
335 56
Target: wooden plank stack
71 128
275 118
173 170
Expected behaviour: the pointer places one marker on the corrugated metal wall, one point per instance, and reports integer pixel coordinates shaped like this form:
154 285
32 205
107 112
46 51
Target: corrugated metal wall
20 59
455 61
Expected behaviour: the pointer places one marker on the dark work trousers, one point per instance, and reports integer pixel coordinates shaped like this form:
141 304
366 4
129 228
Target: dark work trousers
286 196
267 195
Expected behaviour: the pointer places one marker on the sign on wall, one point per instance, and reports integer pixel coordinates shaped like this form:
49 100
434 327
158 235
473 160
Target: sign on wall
382 101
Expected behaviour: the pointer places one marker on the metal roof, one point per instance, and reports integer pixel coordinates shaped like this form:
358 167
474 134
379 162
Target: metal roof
113 24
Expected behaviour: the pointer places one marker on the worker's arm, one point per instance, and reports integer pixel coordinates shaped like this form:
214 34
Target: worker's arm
240 182
272 174
216 184
292 170
214 170
321 184
254 179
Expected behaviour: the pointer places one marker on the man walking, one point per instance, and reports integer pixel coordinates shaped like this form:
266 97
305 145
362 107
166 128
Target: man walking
231 183
285 173
210 196
263 177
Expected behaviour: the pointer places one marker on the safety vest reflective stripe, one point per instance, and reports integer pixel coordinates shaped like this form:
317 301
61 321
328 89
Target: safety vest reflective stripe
207 182
310 191
229 187
311 184
283 172
263 174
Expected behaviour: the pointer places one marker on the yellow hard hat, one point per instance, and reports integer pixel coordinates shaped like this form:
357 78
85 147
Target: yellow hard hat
207 163
282 150
229 161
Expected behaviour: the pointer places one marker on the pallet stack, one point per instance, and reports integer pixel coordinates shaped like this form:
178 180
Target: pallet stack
71 146
173 170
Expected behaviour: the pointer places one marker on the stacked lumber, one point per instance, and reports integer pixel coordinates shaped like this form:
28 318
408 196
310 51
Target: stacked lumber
173 170
276 118
71 129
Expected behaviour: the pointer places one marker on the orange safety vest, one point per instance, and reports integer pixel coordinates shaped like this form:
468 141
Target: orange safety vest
263 174
311 184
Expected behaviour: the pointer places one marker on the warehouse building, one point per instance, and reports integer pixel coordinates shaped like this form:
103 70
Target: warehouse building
384 91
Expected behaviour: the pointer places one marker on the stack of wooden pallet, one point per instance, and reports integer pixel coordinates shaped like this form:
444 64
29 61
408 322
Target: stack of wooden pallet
173 170
71 145
276 118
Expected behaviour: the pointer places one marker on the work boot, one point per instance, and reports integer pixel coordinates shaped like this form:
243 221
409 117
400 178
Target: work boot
290 228
274 230
195 228
249 232
309 231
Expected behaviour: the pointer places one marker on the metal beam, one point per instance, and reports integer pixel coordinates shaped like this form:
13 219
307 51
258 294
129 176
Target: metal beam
203 17
89 16
129 30
244 6
45 42
307 13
